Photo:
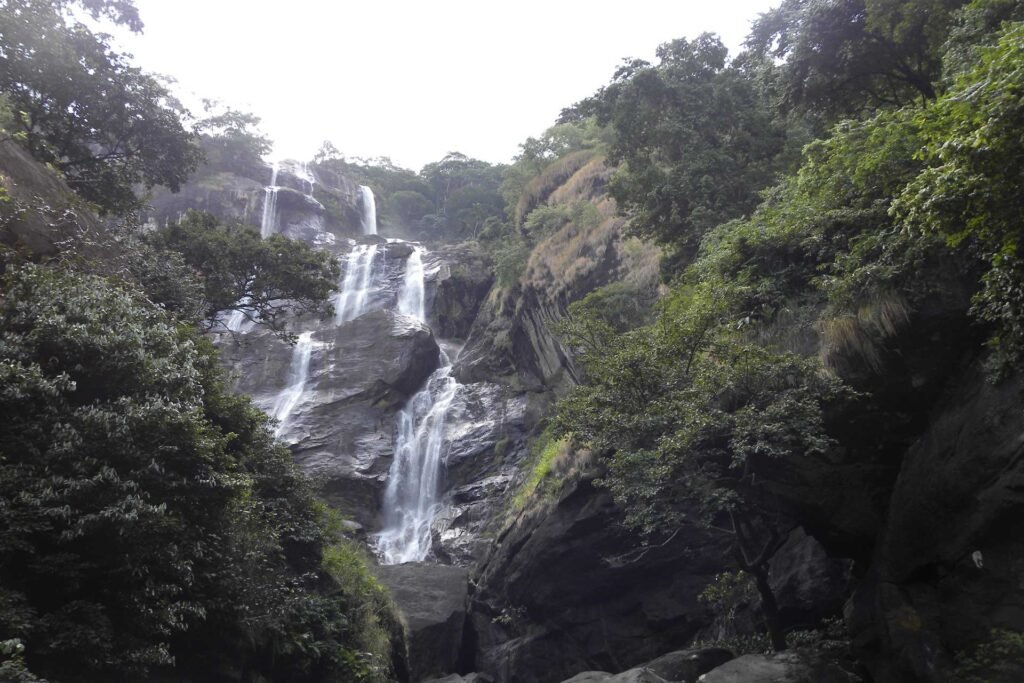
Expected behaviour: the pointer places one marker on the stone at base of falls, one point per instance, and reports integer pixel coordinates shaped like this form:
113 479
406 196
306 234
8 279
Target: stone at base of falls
684 665
433 600
468 678
782 667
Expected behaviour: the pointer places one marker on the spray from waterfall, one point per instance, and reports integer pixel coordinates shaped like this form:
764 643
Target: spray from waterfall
268 225
357 283
298 373
411 297
369 205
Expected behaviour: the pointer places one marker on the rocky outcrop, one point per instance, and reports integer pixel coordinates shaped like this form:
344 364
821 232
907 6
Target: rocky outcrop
310 204
461 283
43 216
433 600
341 428
566 588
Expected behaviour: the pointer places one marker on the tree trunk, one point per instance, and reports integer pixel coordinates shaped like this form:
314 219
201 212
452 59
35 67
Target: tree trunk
769 608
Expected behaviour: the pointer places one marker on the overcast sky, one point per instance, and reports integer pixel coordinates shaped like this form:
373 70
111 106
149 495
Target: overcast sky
412 80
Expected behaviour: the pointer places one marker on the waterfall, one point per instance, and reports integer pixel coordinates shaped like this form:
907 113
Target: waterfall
268 224
414 480
235 321
369 210
357 281
410 299
298 372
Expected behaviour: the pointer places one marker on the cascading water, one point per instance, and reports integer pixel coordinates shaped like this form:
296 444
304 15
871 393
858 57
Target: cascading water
369 210
411 296
357 281
298 373
269 223
414 480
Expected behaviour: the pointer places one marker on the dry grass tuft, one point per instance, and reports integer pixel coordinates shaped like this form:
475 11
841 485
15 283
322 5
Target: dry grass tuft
583 184
862 336
550 179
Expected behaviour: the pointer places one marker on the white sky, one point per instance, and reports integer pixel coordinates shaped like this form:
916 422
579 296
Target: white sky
412 80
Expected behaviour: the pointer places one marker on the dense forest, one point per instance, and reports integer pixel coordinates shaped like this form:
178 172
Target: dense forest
817 265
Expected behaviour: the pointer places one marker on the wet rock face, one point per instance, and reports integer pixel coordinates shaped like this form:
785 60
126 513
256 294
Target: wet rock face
341 428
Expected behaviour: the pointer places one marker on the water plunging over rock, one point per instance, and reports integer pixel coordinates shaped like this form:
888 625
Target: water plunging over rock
414 480
369 206
268 224
297 376
411 298
357 283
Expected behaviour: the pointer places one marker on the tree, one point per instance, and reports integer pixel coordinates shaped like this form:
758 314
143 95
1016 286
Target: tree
106 125
689 415
851 56
267 280
694 140
231 141
969 192
151 524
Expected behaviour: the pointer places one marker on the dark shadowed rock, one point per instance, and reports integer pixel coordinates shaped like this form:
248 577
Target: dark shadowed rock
468 678
461 283
809 585
433 600
948 565
567 588
639 675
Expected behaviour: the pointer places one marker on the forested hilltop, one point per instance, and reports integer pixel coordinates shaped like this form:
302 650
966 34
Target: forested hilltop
744 331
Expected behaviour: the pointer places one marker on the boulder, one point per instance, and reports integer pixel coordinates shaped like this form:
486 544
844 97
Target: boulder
433 600
783 667
688 665
640 675
468 678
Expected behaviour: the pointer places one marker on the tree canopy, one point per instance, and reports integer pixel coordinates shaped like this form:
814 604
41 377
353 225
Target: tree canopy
106 125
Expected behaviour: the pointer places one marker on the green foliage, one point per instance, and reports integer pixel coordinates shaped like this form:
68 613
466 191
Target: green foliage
694 140
970 193
231 141
1000 659
510 256
592 323
267 279
150 520
688 410
850 56
106 125
546 451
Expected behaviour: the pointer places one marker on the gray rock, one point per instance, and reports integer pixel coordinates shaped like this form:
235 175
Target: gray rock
468 678
688 665
433 600
342 427
784 667
638 675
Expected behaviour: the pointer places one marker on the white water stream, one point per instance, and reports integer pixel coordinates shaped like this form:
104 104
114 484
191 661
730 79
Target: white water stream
268 225
412 497
356 284
411 296
369 205
298 373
